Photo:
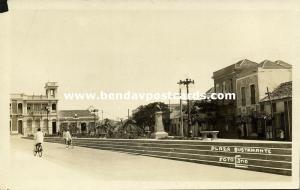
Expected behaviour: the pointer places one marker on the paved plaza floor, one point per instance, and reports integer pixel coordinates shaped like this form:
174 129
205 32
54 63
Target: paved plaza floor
84 168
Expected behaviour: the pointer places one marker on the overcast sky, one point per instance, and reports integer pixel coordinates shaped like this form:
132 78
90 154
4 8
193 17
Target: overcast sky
142 50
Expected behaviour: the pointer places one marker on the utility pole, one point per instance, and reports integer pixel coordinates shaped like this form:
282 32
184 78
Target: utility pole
128 113
181 117
269 97
271 108
101 114
187 82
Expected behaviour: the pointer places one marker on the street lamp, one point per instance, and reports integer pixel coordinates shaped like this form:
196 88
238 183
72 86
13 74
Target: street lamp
95 111
76 119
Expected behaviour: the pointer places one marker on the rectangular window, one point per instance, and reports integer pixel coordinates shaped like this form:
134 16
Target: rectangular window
274 107
243 96
252 93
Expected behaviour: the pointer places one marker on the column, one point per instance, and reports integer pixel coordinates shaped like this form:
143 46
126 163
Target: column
57 125
25 127
32 126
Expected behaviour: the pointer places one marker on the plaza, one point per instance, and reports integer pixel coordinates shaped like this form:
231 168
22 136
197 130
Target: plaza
84 168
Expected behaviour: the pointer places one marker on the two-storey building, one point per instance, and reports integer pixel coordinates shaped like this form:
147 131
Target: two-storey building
30 112
225 81
252 85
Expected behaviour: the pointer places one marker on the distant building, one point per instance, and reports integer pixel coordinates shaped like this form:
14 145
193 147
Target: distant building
275 121
78 121
225 82
251 86
175 122
30 112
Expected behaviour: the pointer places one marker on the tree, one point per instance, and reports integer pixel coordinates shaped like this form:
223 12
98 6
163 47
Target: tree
145 115
205 111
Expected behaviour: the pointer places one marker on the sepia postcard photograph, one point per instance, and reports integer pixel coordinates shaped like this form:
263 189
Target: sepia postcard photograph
149 94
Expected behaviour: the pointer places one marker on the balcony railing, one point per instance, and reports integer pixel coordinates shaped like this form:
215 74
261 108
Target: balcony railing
40 112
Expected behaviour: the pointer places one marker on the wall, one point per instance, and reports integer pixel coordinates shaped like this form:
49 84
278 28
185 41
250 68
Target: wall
279 107
246 82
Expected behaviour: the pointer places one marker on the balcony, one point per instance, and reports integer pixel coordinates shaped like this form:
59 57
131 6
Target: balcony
40 112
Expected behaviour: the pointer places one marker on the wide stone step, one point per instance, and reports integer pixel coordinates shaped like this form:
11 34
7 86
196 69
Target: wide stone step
213 158
256 156
272 157
266 152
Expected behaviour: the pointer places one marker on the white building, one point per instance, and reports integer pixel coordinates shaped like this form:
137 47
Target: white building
252 85
30 112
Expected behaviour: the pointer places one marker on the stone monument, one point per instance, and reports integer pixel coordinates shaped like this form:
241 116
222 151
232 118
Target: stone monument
159 131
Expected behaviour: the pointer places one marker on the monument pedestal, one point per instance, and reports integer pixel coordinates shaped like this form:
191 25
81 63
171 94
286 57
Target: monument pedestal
160 135
159 131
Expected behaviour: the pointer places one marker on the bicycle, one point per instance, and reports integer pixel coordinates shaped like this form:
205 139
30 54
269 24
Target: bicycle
38 150
70 143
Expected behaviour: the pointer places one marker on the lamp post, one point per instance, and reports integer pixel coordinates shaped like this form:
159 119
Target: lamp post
75 117
47 108
95 111
187 82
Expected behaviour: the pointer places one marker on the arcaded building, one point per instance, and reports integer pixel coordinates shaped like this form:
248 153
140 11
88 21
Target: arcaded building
30 112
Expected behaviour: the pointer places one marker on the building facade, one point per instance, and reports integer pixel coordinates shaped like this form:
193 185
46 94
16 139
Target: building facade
251 86
78 121
175 122
30 112
225 82
275 121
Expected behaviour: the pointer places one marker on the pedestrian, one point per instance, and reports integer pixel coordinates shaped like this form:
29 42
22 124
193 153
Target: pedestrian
68 138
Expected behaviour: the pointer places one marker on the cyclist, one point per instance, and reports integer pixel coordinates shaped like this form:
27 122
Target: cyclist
39 139
64 135
68 138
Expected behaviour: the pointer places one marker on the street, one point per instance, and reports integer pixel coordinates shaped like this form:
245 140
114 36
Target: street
84 168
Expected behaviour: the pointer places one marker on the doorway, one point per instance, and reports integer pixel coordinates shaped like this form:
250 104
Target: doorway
83 127
20 127
53 127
